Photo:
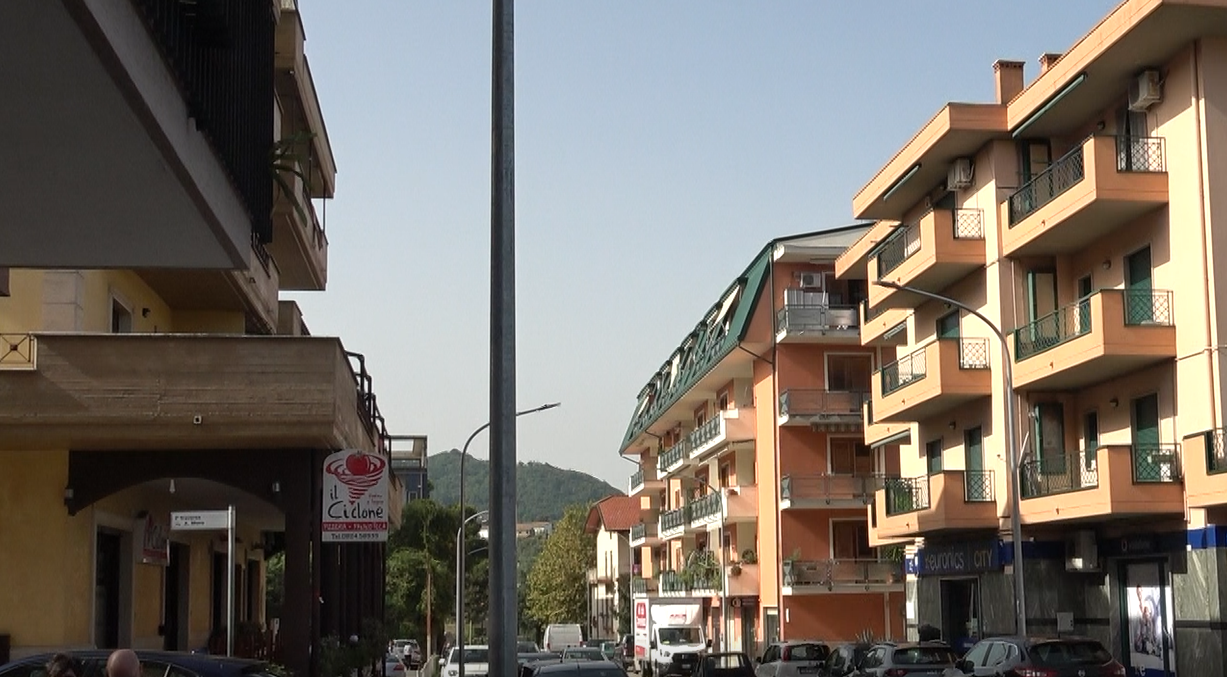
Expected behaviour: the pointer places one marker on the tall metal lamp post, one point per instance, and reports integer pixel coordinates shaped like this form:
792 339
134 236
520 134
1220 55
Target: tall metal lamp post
460 538
724 574
1015 454
460 556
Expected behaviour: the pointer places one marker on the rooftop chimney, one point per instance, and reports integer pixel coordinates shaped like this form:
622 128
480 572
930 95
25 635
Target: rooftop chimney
1048 60
1009 77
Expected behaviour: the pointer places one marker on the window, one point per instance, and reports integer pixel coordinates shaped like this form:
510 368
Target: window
725 472
948 326
850 540
1090 437
723 401
850 456
978 654
121 318
933 456
849 373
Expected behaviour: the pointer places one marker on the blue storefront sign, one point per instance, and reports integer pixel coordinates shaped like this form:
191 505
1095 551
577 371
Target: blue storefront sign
959 558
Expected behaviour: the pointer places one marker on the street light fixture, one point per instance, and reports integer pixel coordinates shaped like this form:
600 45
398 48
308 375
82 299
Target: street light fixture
724 582
460 586
464 454
1015 455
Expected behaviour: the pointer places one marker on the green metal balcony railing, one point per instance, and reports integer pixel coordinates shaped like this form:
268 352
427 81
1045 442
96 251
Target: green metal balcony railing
968 224
904 371
670 581
672 456
1155 463
868 313
1059 473
1146 307
636 479
704 434
1142 307
822 403
899 247
639 532
906 494
1060 176
639 586
710 505
1140 154
978 486
675 519
1216 451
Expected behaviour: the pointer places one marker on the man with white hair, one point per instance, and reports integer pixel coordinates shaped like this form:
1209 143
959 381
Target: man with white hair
123 663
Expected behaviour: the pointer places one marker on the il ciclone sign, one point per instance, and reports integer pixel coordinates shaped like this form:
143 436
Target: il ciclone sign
355 505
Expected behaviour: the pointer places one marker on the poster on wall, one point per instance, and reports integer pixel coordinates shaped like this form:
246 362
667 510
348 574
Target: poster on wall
1151 651
355 505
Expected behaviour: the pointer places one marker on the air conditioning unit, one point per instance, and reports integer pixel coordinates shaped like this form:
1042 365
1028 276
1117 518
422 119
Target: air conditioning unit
1146 90
812 280
961 174
1082 552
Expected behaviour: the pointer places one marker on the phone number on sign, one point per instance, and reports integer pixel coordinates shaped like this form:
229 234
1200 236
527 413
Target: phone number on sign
354 536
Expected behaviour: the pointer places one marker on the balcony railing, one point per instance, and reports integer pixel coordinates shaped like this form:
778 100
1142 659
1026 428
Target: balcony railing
1145 307
978 486
710 505
639 532
830 487
670 581
368 407
816 402
1142 307
832 572
637 479
973 353
1060 176
899 247
705 433
904 371
672 456
1156 463
906 494
968 224
870 313
675 519
1140 154
1059 474
639 586
1216 451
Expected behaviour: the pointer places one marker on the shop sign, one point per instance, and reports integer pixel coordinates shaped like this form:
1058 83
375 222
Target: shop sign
151 542
355 505
959 558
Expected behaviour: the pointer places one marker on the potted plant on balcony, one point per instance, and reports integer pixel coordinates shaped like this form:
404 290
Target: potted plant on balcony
749 556
735 569
895 555
286 160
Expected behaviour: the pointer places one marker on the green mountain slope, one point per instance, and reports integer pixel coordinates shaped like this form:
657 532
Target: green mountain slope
544 492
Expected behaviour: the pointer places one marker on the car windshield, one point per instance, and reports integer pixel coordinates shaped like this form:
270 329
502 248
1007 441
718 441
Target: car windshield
588 653
806 652
1055 654
924 655
678 636
471 656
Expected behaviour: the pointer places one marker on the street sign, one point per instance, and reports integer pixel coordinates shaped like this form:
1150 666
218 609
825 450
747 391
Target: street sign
201 520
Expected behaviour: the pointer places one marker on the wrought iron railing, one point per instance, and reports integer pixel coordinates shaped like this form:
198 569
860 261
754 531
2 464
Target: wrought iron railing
704 434
978 486
671 581
973 353
870 313
1060 176
906 494
1063 324
804 317
1148 307
220 54
368 407
1156 463
831 487
262 254
639 585
636 479
1140 154
672 456
18 351
817 402
1059 473
899 247
906 370
1216 450
968 224
708 505
675 519
832 572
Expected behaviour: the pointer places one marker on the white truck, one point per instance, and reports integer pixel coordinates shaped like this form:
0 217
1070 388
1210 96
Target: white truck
669 637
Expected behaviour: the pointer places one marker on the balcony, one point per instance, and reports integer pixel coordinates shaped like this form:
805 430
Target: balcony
1205 473
1111 482
642 587
808 577
644 534
877 433
672 459
726 427
299 244
743 579
828 491
1108 334
1097 187
828 410
644 479
178 391
883 326
952 500
799 322
943 247
940 376
672 523
672 584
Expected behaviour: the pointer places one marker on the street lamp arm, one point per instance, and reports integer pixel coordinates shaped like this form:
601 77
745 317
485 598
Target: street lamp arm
938 297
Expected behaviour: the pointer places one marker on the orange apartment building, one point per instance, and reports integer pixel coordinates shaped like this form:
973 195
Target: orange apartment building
755 423
1076 213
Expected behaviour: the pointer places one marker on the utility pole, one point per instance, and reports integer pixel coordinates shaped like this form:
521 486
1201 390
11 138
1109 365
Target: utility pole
503 597
430 593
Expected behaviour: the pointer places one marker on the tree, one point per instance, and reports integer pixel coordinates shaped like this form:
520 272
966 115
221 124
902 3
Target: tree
274 585
558 581
624 604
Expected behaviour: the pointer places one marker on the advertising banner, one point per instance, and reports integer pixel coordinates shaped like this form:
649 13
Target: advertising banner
355 505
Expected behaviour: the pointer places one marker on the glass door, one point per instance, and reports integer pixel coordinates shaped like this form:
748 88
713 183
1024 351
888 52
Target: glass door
1139 289
976 484
1084 304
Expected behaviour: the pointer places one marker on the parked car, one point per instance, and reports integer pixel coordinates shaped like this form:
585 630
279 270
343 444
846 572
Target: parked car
393 666
476 661
583 653
1052 657
733 664
792 659
93 664
537 657
844 659
610 649
907 659
573 669
559 636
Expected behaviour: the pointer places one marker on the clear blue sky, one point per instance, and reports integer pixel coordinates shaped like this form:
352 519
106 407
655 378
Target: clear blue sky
659 146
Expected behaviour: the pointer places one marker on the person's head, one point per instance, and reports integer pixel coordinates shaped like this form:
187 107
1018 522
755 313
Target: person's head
123 663
62 665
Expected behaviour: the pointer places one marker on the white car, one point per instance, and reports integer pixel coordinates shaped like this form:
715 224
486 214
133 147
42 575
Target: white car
476 661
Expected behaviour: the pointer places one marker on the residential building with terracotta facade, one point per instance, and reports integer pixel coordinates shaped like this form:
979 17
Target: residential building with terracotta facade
753 428
1078 214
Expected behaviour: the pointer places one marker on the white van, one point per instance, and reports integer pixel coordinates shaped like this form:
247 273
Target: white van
559 636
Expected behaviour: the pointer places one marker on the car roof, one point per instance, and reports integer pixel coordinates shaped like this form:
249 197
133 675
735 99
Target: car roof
192 661
567 667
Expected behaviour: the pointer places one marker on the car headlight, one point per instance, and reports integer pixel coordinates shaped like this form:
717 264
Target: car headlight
453 672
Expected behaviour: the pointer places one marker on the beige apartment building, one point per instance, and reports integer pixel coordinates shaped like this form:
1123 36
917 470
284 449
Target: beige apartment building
1081 214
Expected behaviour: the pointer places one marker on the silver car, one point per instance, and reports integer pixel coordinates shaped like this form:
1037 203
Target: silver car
792 659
